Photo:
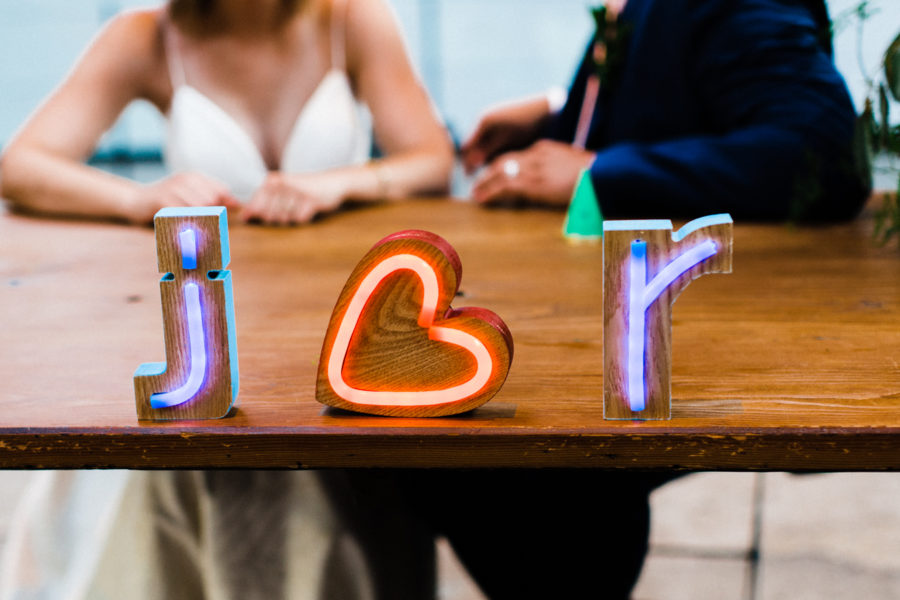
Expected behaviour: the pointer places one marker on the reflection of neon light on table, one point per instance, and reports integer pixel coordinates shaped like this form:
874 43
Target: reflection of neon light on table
449 335
640 296
197 356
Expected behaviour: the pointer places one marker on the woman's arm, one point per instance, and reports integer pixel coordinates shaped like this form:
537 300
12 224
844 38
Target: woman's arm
417 148
42 169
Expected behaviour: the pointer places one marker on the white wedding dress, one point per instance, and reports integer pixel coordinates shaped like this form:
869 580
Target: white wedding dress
332 130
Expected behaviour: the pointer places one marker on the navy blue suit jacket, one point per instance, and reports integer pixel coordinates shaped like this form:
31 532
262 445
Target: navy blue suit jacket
721 106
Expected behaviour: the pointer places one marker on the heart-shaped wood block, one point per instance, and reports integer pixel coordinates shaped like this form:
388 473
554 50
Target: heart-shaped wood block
394 345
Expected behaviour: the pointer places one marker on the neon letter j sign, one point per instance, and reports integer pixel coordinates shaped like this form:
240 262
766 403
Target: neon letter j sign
196 340
646 267
200 378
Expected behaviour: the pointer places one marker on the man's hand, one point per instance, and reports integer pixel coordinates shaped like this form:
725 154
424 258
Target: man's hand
506 127
545 173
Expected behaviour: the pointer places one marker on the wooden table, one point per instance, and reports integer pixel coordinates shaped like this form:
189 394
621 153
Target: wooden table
792 362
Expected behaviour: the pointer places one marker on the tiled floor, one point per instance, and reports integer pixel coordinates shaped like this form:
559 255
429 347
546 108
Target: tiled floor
828 536
822 537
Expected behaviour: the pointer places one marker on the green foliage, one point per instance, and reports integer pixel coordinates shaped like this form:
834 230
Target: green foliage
860 13
892 67
887 218
875 134
612 36
893 140
599 14
863 144
884 109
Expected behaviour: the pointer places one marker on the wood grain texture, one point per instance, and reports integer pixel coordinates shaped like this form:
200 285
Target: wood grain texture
218 392
791 362
661 250
394 351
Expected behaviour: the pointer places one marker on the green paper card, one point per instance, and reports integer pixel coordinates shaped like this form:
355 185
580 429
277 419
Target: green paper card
584 221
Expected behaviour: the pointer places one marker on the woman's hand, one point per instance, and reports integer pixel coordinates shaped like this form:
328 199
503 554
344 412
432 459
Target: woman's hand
181 189
507 127
291 199
545 173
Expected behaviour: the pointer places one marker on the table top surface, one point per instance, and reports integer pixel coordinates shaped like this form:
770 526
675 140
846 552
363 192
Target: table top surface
790 362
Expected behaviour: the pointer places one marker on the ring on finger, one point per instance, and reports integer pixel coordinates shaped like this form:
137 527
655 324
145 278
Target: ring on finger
511 168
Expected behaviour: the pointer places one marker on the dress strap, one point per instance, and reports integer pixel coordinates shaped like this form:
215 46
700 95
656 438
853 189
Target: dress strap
339 34
173 54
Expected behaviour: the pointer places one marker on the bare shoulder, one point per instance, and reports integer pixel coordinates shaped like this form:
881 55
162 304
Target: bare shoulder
130 49
137 34
372 27
369 17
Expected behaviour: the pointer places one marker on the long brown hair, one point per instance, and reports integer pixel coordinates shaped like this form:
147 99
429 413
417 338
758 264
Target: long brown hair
201 16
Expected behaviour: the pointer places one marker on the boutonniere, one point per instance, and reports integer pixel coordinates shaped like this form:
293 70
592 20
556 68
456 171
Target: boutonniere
610 39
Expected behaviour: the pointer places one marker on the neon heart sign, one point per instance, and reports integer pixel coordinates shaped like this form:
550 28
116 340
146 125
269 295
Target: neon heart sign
395 347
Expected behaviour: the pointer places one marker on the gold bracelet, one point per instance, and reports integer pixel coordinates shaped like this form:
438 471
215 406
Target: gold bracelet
381 178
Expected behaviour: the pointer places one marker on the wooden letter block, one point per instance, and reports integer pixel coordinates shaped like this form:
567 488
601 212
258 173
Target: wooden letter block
200 378
645 268
395 347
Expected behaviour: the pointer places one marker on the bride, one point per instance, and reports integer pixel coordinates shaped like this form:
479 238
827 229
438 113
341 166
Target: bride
267 107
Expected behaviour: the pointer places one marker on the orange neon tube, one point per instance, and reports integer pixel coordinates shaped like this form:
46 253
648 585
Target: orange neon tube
449 335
